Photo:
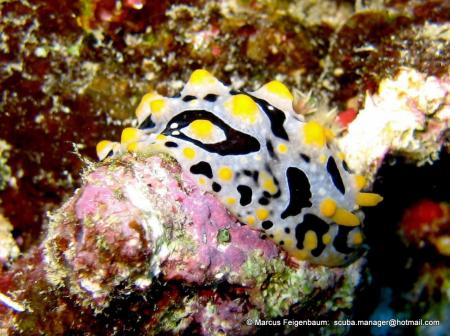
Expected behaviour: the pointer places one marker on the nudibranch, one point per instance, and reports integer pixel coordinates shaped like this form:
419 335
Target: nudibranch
273 170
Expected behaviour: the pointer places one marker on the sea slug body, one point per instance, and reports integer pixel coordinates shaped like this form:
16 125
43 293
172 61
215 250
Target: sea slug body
273 170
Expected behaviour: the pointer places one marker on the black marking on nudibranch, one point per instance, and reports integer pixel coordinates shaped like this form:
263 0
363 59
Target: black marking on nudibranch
266 225
188 98
314 223
171 144
335 175
236 142
247 172
216 187
203 168
276 117
300 192
270 149
211 97
147 123
340 241
263 201
253 174
305 157
346 167
246 194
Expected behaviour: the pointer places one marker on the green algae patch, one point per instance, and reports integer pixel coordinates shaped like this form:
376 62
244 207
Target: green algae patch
280 285
5 170
223 236
277 288
172 318
343 297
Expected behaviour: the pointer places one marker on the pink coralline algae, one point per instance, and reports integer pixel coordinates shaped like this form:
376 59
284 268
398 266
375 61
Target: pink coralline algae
141 236
168 226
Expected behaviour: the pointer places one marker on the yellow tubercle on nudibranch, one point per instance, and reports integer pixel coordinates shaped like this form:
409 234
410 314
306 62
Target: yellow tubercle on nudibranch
272 170
360 181
345 217
243 108
103 148
368 199
282 148
129 135
322 158
279 89
357 238
231 200
225 173
278 95
201 77
250 220
144 110
157 106
133 147
189 153
310 242
267 183
328 207
314 134
161 137
262 214
329 135
205 131
326 238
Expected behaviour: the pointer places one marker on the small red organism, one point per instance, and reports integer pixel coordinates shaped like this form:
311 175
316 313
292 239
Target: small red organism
216 50
427 222
345 117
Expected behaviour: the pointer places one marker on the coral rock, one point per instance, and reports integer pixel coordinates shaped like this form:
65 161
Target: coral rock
409 115
141 236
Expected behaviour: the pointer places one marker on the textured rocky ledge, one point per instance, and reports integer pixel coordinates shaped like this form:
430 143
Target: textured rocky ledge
140 246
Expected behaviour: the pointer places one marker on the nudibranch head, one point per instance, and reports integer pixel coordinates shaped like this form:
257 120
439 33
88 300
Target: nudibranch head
273 170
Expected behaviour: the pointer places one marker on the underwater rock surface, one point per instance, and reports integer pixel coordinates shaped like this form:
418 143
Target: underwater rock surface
140 236
409 116
68 64
9 250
